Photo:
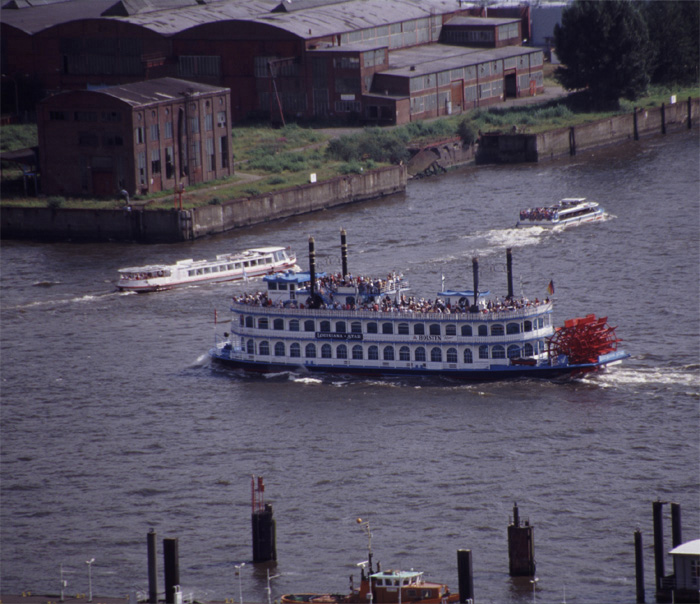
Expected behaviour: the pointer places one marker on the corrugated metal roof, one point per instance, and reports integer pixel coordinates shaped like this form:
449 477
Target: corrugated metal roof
37 18
153 91
491 21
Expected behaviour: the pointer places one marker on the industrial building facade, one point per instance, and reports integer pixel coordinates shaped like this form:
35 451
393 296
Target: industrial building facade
144 137
367 61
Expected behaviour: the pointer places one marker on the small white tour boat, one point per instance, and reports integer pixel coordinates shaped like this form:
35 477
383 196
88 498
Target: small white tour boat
250 263
570 210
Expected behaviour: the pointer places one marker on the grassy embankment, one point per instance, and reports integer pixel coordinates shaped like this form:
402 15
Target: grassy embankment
268 159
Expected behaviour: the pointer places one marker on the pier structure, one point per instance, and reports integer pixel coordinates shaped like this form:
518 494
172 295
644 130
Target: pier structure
264 530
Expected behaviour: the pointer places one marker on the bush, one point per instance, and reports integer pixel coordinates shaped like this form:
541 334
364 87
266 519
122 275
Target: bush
372 143
55 202
252 191
467 131
276 180
214 201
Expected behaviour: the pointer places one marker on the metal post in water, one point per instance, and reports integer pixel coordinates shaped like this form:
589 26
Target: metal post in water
264 529
676 536
639 566
344 251
464 572
172 568
475 272
312 267
657 507
152 567
521 547
509 268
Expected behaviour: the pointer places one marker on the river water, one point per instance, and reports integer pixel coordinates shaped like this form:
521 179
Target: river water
114 420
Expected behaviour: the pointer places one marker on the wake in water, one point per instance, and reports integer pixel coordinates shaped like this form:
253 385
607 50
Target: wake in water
76 300
626 376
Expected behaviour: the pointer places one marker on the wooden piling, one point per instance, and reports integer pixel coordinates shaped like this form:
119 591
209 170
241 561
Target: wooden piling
639 566
464 573
172 568
521 547
152 567
657 510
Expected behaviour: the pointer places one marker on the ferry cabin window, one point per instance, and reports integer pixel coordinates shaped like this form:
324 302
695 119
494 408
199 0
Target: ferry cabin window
325 326
466 330
341 352
373 353
513 351
279 349
436 355
340 327
483 331
420 354
356 327
527 326
264 348
404 354
295 350
497 330
326 352
419 329
262 323
512 328
388 353
540 322
190 273
527 350
387 328
283 286
403 329
249 322
483 349
498 352
294 325
309 325
310 351
451 355
272 286
372 327
450 330
278 324
250 347
229 267
468 356
238 266
241 320
434 329
357 352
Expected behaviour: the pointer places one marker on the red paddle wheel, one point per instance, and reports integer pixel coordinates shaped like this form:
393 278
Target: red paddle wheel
583 340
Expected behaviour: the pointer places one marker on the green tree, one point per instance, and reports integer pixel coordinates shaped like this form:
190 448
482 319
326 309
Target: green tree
604 48
674 31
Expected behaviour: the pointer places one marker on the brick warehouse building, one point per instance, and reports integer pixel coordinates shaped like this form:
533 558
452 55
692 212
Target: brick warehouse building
373 61
141 137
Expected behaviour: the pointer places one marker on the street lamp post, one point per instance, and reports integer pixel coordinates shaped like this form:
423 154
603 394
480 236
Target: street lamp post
89 563
534 581
269 590
238 568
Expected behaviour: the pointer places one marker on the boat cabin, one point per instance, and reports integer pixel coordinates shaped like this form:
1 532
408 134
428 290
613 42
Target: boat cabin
289 285
393 586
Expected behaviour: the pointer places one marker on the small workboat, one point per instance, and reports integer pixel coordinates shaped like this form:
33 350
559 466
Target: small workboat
250 263
570 210
382 587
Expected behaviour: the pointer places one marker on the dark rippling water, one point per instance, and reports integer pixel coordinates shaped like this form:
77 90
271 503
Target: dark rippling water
114 421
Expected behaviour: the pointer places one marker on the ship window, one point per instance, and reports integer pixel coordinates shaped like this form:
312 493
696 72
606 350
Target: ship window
527 326
434 329
279 349
483 330
249 322
466 330
250 347
427 593
295 350
468 356
309 325
283 286
294 325
264 348
238 265
498 352
190 273
278 324
262 323
373 353
527 350
540 322
388 353
357 352
450 330
387 327
483 351
325 326
411 593
404 354
372 327
229 267
436 355
513 351
420 354
512 328
341 352
451 355
403 329
497 329
356 327
340 327
326 352
419 329
310 351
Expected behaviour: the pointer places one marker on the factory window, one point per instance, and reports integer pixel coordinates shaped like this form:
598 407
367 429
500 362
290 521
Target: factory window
348 106
139 135
169 165
189 66
111 116
211 156
154 132
85 116
141 160
155 161
208 122
58 116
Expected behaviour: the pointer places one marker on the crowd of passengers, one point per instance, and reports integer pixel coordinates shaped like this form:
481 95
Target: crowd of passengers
383 303
538 214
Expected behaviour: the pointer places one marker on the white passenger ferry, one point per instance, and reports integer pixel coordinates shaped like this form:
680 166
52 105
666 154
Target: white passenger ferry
571 210
359 325
225 267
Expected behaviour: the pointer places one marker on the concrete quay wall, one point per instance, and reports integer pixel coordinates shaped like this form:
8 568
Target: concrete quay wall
169 226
